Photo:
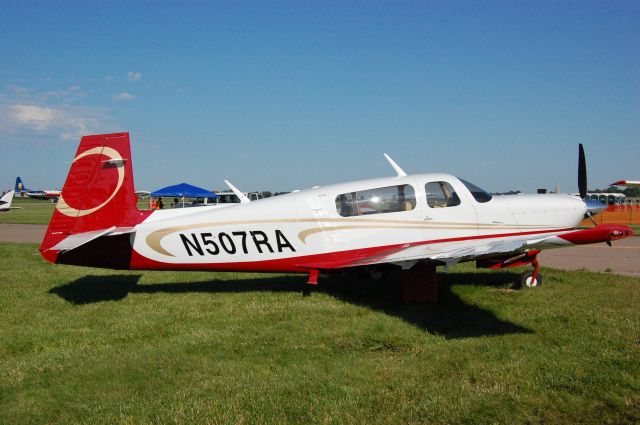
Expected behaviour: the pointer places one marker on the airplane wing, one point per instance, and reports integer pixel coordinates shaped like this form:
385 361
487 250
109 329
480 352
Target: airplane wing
447 252
456 251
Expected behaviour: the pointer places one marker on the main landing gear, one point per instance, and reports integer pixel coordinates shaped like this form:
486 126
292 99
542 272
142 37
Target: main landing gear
312 282
528 279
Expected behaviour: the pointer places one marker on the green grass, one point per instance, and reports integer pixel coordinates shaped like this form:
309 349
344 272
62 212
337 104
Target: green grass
81 345
32 211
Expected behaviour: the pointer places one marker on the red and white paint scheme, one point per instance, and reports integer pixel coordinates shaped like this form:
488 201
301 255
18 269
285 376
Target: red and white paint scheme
628 183
410 223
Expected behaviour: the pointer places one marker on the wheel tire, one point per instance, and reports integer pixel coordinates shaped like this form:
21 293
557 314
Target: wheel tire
525 280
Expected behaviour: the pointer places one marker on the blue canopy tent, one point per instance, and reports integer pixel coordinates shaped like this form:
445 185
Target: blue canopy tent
184 190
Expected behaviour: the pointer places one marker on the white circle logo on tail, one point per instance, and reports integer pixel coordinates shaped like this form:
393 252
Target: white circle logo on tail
112 154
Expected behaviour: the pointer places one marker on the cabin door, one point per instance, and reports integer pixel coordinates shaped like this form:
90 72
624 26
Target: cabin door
448 213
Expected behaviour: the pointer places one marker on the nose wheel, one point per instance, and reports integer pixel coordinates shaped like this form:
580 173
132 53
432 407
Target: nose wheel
531 278
528 280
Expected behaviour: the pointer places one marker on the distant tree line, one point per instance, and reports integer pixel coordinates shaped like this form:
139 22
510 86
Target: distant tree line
268 194
511 192
629 192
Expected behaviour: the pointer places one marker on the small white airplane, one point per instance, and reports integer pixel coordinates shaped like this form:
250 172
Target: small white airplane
407 223
5 201
142 193
628 183
52 195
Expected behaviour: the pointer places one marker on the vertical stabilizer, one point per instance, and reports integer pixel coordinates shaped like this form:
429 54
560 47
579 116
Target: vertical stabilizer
6 199
98 193
20 187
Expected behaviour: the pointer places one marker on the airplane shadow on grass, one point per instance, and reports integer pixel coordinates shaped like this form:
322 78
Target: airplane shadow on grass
450 317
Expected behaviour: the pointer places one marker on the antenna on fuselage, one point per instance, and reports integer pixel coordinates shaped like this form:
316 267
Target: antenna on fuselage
243 198
395 166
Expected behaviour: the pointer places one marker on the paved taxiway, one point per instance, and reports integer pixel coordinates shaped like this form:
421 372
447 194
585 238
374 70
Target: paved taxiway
622 258
24 233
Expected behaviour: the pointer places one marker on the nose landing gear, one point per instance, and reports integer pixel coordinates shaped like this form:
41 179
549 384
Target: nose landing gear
528 279
531 278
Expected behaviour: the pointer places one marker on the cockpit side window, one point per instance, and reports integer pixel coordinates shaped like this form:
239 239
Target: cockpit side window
478 194
376 201
441 195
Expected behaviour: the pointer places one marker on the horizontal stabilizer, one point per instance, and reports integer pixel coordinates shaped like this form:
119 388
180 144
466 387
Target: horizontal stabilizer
79 239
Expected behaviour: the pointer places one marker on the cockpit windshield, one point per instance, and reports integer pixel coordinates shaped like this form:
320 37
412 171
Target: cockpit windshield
479 194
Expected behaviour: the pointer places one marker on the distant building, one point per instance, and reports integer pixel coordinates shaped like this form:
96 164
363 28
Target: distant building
608 198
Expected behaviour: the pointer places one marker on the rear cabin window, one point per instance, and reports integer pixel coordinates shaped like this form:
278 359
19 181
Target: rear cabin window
376 201
441 195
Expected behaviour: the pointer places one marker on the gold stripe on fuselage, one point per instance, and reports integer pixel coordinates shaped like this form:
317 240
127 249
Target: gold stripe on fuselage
154 239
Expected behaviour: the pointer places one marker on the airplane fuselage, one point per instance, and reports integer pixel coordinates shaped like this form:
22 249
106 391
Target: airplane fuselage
44 194
307 228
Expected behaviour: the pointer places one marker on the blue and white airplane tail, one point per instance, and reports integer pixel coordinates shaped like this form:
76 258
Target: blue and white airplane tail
20 187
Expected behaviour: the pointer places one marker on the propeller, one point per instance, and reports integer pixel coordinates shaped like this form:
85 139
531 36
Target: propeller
582 172
592 206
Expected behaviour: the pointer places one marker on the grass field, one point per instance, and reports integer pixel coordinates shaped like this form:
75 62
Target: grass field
32 211
82 345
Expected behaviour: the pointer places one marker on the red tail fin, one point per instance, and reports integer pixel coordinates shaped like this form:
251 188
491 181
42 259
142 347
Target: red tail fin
98 193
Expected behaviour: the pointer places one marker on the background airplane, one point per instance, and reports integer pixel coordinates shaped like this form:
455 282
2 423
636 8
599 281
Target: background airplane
36 194
5 201
405 224
628 183
20 187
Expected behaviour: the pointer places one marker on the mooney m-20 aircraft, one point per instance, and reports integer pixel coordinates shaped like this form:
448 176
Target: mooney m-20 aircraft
410 223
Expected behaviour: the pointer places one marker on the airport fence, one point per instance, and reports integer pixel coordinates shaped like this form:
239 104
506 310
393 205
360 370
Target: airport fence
617 214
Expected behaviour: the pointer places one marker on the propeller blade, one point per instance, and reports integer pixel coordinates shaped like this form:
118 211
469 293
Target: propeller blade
582 172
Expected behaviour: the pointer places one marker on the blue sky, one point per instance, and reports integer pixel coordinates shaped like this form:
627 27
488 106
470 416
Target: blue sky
279 95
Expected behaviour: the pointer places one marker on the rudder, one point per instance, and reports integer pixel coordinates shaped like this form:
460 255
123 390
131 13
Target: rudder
19 186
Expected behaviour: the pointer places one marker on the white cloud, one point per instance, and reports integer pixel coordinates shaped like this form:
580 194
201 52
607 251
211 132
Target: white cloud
36 117
70 94
134 76
123 97
54 114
